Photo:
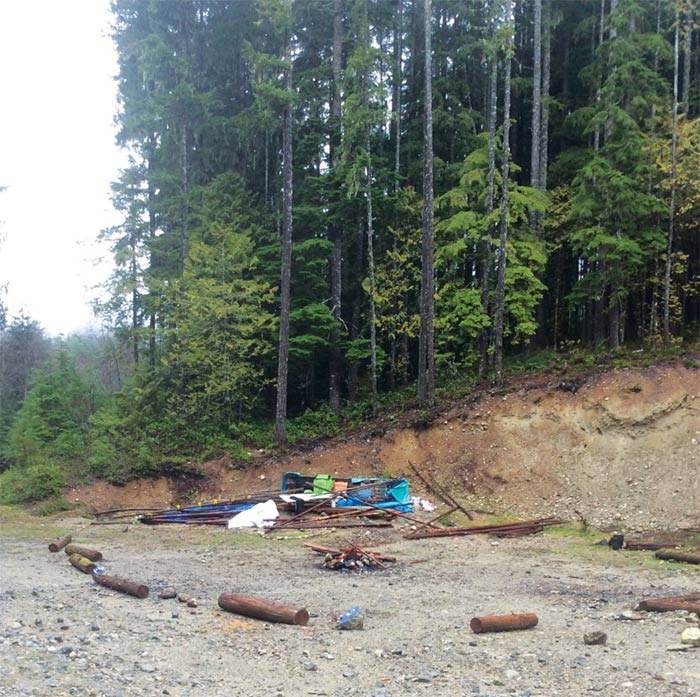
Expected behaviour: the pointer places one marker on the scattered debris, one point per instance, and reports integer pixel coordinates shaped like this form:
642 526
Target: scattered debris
352 619
261 609
503 623
526 527
168 593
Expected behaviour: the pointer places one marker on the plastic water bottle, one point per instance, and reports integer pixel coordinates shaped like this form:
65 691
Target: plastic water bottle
349 615
98 570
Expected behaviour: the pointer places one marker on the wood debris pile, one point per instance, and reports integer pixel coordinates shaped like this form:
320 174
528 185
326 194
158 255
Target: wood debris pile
351 558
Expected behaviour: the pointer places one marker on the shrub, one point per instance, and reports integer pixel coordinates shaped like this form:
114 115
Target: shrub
36 483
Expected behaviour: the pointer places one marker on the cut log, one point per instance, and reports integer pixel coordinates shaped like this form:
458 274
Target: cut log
91 554
690 598
139 590
671 555
670 606
503 623
59 544
85 565
261 609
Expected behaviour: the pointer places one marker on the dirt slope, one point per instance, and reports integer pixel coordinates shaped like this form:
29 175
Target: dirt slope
619 448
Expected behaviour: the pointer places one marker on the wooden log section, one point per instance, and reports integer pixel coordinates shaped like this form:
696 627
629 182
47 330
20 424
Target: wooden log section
60 543
689 598
670 605
671 555
85 565
139 590
91 554
503 623
261 609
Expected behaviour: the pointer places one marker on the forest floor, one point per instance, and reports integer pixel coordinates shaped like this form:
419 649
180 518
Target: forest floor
621 452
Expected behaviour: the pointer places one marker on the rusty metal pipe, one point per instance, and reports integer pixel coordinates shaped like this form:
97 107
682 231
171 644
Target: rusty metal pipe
503 623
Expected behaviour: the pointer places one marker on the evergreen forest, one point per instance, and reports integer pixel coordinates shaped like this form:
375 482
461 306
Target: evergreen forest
339 209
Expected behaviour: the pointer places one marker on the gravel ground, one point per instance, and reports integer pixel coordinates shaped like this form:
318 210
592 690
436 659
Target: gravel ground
61 634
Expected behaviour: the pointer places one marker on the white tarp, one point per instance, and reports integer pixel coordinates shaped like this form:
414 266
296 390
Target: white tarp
261 515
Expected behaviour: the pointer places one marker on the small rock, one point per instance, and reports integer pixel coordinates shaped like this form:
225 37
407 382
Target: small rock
630 616
168 593
192 602
310 666
147 668
183 597
595 638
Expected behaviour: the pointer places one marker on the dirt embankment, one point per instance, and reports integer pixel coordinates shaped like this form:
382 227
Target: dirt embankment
619 448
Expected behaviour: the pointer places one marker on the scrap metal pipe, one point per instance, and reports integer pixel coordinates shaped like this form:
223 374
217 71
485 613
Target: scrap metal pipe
60 543
503 623
85 565
91 554
671 555
138 590
261 609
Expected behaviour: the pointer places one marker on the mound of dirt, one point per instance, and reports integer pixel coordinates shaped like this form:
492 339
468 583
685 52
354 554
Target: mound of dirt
620 449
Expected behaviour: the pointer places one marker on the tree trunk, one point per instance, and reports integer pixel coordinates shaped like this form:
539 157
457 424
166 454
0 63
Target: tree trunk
286 264
370 265
336 231
499 316
672 207
536 102
488 241
426 355
687 48
546 70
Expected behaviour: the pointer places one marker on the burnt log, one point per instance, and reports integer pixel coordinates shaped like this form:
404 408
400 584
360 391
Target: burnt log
261 609
138 590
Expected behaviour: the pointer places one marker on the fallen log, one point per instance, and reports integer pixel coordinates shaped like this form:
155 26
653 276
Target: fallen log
85 565
261 609
59 544
689 598
91 554
503 623
139 590
672 555
640 546
670 606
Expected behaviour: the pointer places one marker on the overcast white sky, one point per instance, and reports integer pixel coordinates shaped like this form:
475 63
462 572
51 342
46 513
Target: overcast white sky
57 156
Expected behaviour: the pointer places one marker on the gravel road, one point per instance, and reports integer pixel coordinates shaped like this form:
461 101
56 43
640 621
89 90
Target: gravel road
61 634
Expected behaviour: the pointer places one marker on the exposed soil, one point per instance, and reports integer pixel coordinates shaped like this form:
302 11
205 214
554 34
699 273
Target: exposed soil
620 449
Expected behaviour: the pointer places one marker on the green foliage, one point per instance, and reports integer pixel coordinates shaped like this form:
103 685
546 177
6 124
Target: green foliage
313 424
34 483
54 418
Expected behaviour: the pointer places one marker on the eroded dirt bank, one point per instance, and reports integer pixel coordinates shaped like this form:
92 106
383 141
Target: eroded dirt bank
619 448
